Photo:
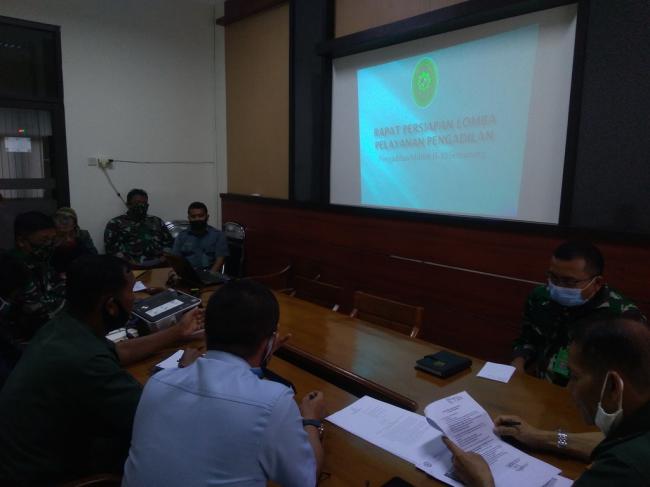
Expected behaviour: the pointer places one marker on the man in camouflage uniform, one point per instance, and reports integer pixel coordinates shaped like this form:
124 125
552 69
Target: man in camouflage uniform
576 293
136 236
43 294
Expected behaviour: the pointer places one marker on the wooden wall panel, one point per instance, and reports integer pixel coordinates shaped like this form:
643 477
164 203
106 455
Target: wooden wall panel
357 15
475 309
257 91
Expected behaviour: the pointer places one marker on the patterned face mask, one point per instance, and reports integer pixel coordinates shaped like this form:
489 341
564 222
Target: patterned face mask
43 251
5 307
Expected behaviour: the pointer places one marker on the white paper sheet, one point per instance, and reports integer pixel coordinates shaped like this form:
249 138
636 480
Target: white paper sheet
139 286
468 425
559 481
498 372
18 144
400 432
171 362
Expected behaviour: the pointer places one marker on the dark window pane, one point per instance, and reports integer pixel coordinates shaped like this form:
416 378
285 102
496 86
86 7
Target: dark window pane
25 146
27 63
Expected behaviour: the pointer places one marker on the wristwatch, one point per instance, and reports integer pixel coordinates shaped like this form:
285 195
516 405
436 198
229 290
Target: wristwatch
316 423
562 439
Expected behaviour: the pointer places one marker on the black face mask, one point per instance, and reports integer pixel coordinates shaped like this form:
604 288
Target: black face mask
114 322
138 212
198 226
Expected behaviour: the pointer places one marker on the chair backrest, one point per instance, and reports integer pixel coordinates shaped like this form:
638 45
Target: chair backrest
235 234
317 292
401 317
177 226
234 230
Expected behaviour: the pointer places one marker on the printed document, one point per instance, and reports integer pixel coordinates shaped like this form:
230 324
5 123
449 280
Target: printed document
401 432
468 425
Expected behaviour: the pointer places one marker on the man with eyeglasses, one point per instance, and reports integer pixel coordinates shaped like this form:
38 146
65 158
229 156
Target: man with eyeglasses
575 292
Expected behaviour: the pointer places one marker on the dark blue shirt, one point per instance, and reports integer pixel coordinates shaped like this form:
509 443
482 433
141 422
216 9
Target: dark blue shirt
201 250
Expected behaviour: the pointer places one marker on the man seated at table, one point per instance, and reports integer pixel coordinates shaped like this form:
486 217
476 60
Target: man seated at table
135 236
216 422
576 291
67 407
71 241
610 384
13 278
43 294
202 245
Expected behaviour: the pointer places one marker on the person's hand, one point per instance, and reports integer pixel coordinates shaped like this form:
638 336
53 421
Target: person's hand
520 430
520 364
189 357
191 324
470 467
313 406
172 278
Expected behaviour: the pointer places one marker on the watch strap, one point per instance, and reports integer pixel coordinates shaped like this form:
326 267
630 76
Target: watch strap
312 422
562 439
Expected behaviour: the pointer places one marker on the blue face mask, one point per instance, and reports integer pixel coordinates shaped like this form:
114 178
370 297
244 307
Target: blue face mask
567 296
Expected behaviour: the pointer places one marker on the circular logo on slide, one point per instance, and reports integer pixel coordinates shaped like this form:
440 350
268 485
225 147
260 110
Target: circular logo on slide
425 82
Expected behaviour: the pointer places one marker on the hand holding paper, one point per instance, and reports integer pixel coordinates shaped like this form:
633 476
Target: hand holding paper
469 426
470 467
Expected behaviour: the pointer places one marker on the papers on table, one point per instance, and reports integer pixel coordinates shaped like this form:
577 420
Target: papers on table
559 481
402 433
498 372
171 362
468 425
139 286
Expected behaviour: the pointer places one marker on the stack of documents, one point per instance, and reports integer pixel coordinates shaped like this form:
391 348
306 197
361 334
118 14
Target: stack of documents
418 440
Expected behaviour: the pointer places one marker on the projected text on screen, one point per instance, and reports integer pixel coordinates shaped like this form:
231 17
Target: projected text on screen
469 122
445 130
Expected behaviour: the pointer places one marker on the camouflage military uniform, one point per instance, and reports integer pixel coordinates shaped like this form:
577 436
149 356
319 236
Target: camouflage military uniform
38 301
547 327
139 240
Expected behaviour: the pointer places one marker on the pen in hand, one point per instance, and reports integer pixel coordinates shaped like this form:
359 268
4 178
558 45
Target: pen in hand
510 423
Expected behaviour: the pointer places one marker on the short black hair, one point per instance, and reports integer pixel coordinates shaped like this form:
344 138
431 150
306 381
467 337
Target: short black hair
616 344
31 222
580 249
91 277
136 192
197 205
14 275
239 316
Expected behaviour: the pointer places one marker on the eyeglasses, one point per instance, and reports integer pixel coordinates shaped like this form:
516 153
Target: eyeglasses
567 281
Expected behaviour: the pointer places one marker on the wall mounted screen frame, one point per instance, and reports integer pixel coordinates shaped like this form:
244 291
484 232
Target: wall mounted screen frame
468 14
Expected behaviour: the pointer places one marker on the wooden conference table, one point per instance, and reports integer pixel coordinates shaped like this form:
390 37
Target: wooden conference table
386 359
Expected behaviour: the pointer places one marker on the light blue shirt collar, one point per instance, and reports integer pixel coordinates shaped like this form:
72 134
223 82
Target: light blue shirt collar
234 360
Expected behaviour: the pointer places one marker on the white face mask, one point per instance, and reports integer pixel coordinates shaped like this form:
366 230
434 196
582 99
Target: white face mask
4 306
606 422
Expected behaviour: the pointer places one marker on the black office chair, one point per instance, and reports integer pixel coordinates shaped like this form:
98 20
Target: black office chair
234 264
177 226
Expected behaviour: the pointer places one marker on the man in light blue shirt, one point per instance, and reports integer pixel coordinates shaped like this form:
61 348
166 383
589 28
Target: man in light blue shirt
202 245
216 422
